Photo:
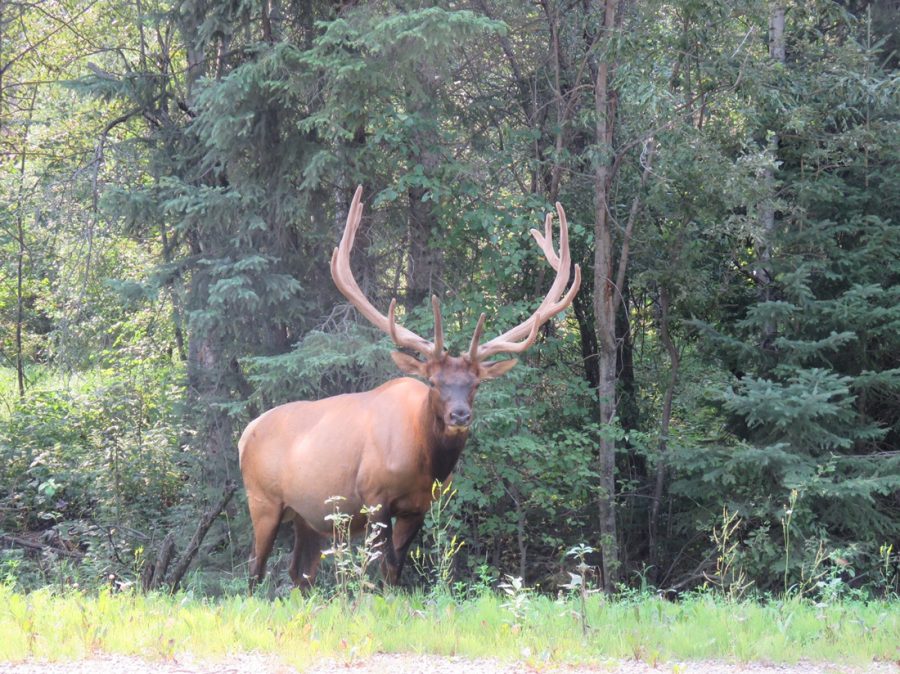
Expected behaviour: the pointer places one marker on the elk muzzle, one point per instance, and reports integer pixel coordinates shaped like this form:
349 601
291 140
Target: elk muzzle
459 417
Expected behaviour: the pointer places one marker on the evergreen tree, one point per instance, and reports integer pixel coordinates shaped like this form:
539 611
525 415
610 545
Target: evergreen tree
815 403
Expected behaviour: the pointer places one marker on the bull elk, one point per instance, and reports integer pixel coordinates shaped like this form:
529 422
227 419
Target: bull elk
383 447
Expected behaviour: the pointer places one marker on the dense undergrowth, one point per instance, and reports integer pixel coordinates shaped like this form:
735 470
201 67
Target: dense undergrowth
94 474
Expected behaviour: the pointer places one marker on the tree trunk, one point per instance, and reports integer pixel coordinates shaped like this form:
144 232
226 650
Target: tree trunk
20 256
20 314
606 298
589 349
207 361
424 264
627 408
177 313
674 362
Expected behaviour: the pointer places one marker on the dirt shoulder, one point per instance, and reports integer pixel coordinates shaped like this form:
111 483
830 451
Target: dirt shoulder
416 664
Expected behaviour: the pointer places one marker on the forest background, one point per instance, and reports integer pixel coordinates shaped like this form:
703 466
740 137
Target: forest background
174 176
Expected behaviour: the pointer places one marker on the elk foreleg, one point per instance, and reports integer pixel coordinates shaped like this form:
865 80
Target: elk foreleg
404 532
385 545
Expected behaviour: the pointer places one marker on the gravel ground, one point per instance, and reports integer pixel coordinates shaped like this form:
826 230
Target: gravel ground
416 664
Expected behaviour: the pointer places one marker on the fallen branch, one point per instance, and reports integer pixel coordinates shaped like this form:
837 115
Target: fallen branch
32 545
202 528
154 573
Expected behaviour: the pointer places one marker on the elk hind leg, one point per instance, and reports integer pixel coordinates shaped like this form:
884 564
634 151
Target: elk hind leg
307 554
266 517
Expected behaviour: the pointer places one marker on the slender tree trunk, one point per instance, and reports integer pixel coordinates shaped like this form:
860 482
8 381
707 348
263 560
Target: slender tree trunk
20 314
177 313
663 446
776 33
20 256
424 263
776 53
626 408
609 281
606 298
521 534
20 262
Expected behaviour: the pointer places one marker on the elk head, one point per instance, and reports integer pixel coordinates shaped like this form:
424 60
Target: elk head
455 379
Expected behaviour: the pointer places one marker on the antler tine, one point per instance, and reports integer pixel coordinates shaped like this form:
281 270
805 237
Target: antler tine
394 330
476 337
515 340
438 327
392 321
346 283
545 241
496 346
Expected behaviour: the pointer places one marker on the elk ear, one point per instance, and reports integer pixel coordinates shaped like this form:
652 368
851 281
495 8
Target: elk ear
409 364
494 369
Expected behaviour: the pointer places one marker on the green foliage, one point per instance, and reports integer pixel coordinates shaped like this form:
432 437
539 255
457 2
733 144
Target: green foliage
820 352
321 364
93 468
171 201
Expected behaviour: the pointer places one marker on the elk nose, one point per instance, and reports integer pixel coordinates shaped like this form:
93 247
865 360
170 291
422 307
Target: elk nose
460 417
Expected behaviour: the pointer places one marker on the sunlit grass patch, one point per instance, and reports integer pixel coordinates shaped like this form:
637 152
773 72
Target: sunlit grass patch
299 630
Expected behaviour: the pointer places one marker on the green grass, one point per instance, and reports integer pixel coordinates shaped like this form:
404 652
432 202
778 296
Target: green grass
298 630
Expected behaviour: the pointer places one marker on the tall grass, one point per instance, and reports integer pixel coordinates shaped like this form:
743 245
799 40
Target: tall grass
300 629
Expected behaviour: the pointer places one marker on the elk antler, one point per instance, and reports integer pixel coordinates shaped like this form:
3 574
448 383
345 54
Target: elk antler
522 336
514 340
343 279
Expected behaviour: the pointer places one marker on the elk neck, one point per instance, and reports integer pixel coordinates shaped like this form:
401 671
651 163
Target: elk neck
442 446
